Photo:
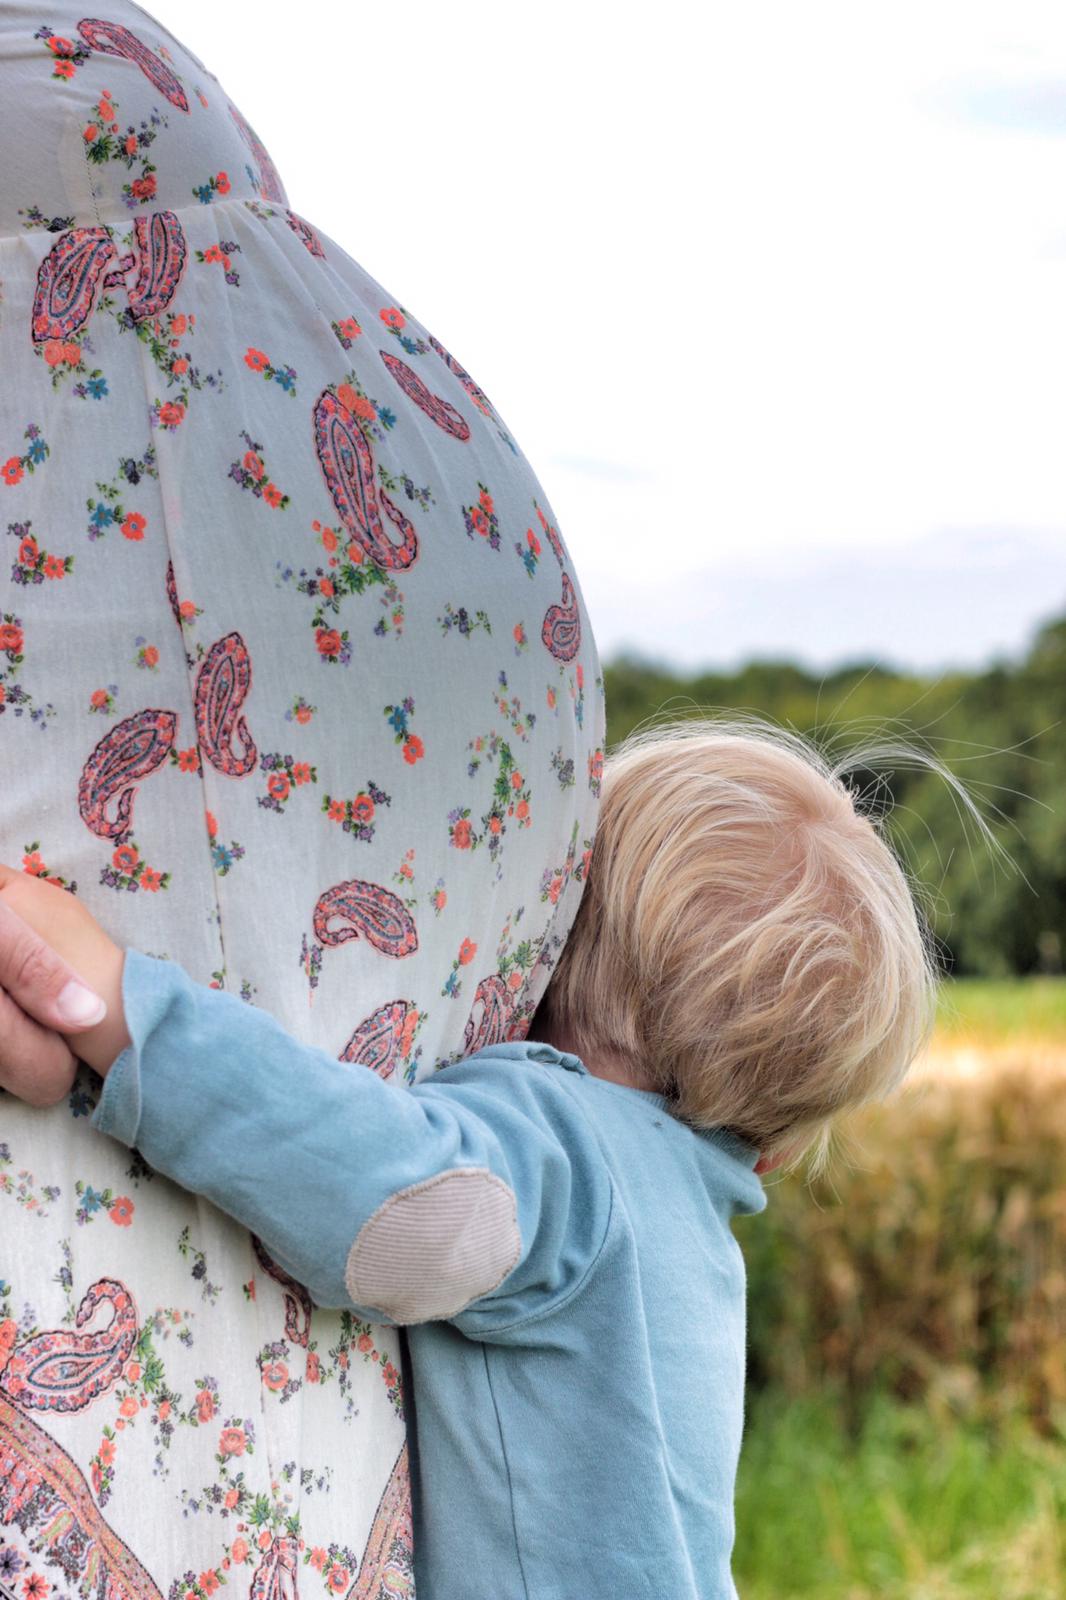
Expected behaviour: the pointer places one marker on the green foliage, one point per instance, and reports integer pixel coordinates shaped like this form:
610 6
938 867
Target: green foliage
917 1506
1000 731
989 1010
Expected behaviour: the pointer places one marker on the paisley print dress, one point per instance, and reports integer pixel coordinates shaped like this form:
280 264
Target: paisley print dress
297 689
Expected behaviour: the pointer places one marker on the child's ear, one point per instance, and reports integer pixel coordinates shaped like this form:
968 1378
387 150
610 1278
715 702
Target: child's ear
771 1163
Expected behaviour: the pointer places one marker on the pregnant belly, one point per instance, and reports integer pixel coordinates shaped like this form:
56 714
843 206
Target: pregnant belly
296 688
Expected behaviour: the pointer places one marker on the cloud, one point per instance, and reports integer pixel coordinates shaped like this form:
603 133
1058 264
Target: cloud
609 471
956 599
1034 106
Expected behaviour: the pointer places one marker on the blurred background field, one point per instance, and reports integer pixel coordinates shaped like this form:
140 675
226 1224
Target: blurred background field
907 1331
906 1434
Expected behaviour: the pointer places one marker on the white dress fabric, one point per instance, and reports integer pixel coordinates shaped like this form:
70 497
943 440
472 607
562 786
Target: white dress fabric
297 689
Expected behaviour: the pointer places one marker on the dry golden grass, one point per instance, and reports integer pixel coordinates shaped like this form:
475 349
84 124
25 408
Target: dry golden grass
965 1055
931 1261
928 1267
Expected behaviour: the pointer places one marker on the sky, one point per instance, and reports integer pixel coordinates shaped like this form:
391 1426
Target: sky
771 296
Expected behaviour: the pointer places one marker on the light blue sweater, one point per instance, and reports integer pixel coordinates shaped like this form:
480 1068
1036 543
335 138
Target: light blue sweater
576 1425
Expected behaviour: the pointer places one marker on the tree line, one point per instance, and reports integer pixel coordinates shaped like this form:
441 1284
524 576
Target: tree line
996 909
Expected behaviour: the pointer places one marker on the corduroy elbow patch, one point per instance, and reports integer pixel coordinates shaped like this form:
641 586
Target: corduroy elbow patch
434 1247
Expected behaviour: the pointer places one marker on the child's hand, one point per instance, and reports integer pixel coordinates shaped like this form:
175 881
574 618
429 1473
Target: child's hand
65 924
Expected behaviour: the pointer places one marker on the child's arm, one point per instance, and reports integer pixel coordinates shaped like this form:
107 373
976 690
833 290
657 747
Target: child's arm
409 1205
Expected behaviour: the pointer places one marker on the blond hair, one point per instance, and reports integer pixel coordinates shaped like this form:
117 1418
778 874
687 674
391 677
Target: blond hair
747 937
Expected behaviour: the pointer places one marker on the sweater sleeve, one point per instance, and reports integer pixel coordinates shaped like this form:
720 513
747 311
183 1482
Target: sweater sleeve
481 1189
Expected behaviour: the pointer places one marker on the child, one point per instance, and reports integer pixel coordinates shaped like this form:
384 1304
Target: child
551 1219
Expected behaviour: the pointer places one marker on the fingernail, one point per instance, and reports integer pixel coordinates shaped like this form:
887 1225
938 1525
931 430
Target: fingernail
79 1006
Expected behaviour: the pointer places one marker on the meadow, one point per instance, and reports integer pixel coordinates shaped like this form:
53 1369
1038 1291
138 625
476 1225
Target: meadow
906 1434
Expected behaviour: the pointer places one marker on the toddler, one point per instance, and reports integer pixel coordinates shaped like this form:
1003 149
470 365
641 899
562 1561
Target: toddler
550 1220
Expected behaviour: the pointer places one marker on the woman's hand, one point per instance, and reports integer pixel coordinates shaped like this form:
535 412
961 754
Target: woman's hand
60 981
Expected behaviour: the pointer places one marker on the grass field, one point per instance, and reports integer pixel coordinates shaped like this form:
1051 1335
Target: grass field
906 1436
991 1011
919 1507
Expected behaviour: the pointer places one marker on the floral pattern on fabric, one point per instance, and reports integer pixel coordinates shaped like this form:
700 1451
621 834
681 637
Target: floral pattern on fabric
297 689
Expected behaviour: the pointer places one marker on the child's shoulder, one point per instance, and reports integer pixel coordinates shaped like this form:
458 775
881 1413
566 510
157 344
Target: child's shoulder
604 1123
520 1074
534 1050
530 1095
515 1086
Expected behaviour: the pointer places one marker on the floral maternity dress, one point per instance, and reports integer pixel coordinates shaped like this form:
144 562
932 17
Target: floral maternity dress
296 688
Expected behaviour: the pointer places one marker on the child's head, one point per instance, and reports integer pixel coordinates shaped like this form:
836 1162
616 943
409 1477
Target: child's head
746 938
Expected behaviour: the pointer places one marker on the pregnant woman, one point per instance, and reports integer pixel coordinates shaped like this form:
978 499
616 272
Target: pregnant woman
297 689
